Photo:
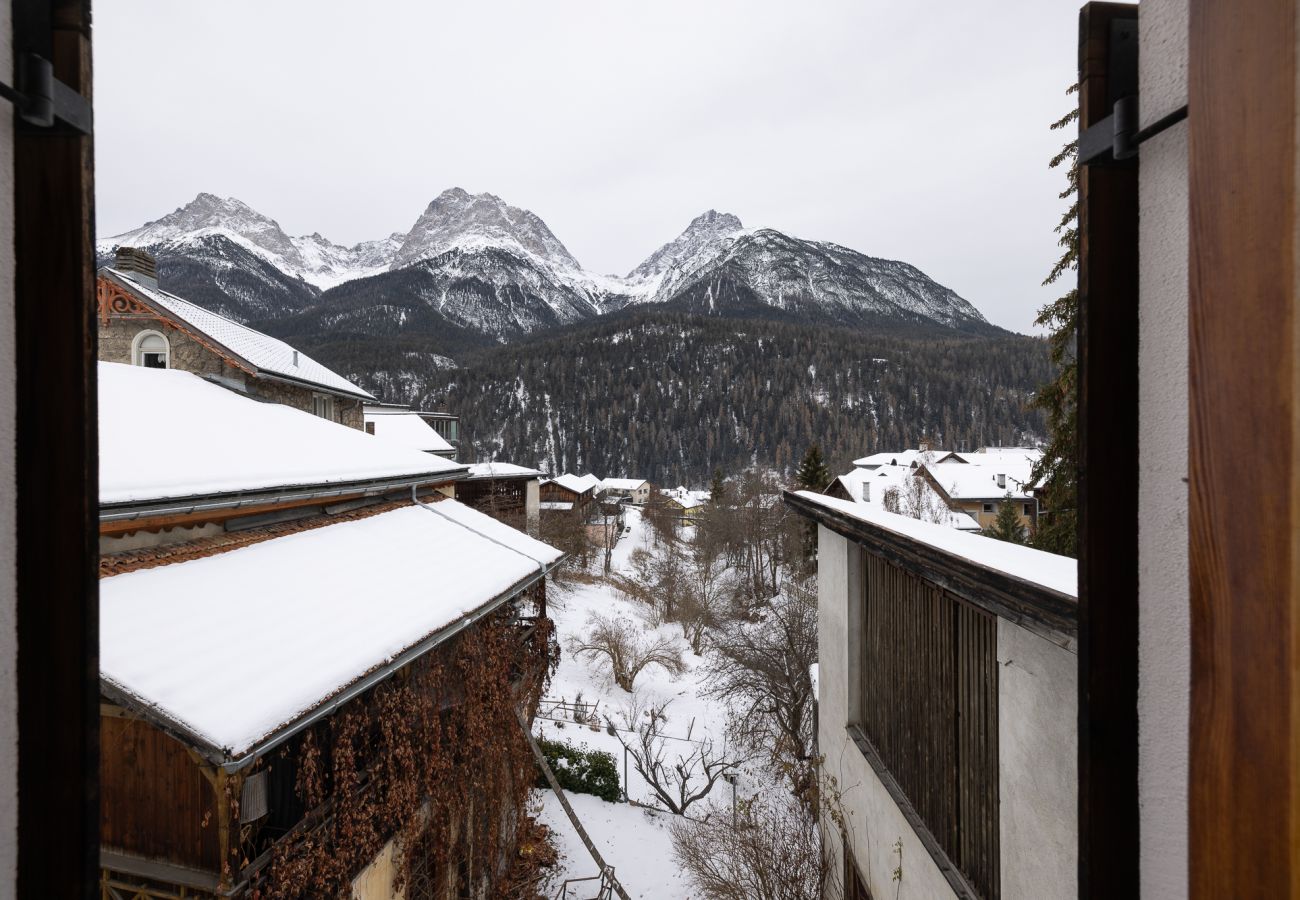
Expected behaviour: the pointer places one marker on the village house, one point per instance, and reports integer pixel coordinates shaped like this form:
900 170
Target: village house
872 487
141 324
430 432
634 490
504 491
570 493
944 663
685 503
979 490
301 635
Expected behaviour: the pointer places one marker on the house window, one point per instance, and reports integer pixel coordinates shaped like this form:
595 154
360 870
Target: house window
323 406
929 712
988 507
151 350
370 428
1029 510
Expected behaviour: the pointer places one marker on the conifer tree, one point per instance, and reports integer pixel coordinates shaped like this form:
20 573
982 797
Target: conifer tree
718 489
1057 471
813 473
1006 527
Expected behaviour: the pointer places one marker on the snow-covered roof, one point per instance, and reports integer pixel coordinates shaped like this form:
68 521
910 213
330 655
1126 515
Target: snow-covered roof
263 352
165 433
407 430
622 484
1057 573
501 470
899 458
980 482
885 477
291 610
579 484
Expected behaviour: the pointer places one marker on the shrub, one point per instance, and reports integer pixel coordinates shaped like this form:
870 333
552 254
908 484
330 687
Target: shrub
581 771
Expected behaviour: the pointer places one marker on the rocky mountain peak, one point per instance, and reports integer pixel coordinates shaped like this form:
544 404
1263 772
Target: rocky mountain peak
706 238
457 218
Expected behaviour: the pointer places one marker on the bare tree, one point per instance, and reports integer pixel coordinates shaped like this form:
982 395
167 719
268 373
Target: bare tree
914 497
708 590
761 670
678 775
772 852
627 649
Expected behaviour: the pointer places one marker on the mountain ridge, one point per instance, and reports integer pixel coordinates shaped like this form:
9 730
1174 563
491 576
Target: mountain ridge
497 269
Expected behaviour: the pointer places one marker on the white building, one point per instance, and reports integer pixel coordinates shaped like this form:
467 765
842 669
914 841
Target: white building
945 661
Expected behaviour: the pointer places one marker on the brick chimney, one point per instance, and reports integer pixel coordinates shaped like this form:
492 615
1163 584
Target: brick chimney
138 265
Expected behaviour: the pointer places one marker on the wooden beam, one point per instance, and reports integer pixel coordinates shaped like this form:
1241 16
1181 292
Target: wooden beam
1107 518
1244 394
57 475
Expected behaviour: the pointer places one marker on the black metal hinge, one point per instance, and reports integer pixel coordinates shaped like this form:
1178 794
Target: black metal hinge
44 101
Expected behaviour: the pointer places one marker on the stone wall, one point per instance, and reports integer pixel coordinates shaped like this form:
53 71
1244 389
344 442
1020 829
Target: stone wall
187 354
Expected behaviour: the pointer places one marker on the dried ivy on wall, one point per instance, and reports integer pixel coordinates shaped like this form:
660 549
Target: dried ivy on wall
433 757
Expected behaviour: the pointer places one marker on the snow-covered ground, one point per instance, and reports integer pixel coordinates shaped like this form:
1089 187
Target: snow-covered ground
635 840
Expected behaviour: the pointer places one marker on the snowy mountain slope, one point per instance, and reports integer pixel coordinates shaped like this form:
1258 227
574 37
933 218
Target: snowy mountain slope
662 274
818 281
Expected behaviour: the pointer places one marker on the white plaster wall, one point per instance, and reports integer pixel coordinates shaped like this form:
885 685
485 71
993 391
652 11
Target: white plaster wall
1164 629
8 634
1037 766
872 820
532 504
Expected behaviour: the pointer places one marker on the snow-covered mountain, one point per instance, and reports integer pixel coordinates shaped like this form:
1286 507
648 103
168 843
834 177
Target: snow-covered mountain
474 265
707 237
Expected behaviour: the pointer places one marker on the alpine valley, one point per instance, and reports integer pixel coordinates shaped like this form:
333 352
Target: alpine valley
721 349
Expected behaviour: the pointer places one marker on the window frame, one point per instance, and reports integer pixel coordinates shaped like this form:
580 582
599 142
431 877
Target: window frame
138 351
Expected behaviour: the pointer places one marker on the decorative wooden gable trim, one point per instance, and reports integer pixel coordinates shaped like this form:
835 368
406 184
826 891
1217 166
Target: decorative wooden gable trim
114 300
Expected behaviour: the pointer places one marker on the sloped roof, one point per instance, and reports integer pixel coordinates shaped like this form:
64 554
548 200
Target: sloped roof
622 484
883 478
980 482
407 430
579 484
166 434
290 609
263 352
899 458
501 470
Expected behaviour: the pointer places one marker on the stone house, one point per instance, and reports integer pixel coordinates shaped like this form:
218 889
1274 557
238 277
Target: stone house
141 324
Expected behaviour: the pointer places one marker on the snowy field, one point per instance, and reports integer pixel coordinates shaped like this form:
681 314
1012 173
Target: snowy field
635 840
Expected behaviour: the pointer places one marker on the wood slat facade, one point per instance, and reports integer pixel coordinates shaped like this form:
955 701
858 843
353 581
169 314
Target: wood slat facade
930 710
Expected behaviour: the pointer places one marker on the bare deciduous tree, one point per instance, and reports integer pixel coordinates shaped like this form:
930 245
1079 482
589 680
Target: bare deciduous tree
772 852
914 497
627 649
679 774
708 590
762 671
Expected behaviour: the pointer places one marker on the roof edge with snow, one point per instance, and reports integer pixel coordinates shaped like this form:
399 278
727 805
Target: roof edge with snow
1033 589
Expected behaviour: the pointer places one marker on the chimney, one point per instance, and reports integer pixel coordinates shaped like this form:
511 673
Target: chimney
866 492
138 265
1002 481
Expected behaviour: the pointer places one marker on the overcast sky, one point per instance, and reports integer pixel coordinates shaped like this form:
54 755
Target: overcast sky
909 130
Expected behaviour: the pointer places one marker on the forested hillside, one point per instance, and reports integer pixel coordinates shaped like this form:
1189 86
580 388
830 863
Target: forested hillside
670 396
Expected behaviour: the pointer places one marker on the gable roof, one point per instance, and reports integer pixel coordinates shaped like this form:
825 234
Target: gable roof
263 353
980 482
579 484
622 484
166 434
289 607
407 430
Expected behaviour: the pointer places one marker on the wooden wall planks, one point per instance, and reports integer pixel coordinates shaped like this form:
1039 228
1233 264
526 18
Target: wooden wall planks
1244 455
